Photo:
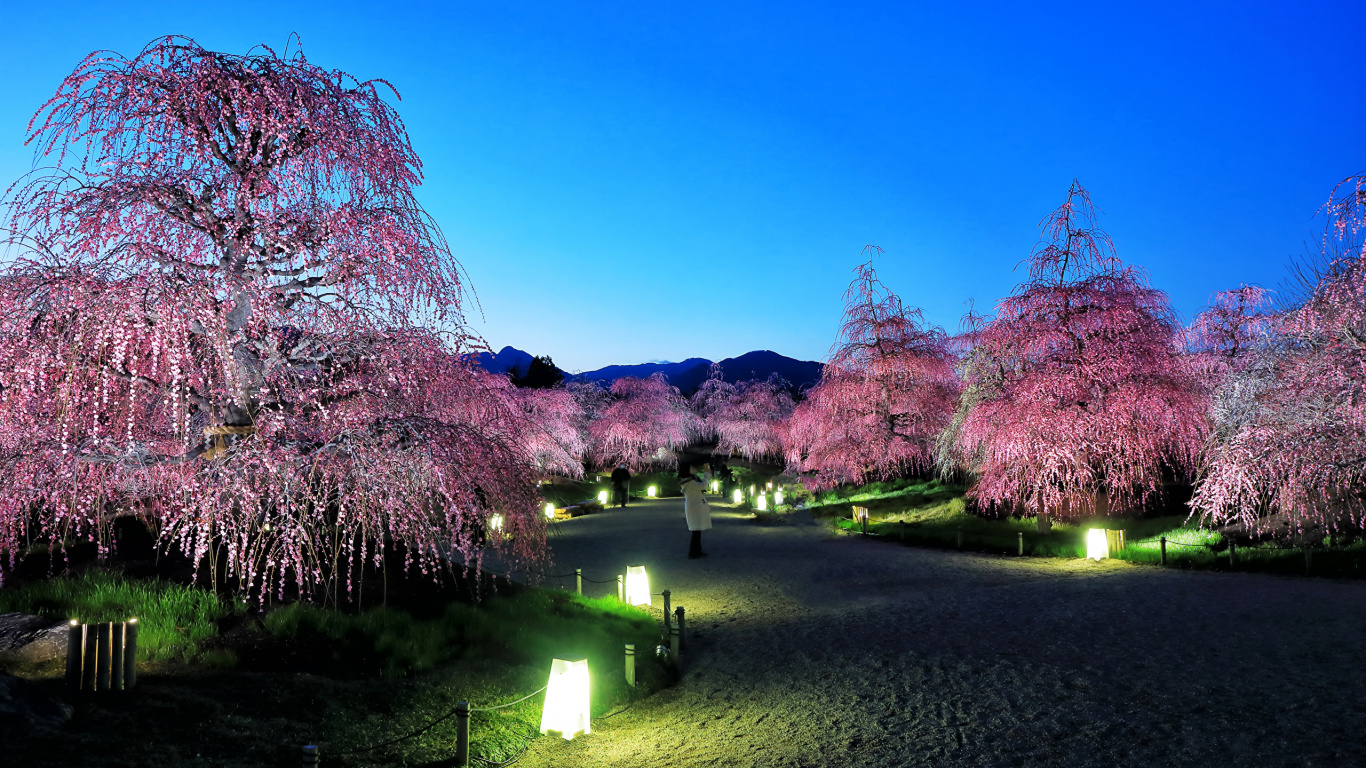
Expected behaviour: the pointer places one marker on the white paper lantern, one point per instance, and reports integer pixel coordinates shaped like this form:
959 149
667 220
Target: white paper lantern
637 585
567 699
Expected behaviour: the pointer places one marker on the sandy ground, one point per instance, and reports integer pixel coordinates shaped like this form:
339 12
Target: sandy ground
810 649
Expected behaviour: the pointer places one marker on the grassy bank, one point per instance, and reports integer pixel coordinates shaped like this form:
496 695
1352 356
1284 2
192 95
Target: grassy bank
931 513
223 685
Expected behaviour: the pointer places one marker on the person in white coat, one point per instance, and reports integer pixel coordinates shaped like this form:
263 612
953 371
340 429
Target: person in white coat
695 508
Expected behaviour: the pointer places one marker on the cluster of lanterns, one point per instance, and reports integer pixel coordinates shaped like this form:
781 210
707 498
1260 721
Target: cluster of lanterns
567 692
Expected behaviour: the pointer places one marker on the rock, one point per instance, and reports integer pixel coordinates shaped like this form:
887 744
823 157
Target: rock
27 709
31 639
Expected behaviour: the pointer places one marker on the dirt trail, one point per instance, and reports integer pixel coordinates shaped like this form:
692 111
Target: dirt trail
818 650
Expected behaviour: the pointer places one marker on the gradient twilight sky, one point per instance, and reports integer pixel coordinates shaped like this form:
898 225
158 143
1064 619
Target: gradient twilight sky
634 181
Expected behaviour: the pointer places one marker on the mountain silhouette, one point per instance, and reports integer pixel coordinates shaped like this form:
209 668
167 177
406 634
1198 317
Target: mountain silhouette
687 375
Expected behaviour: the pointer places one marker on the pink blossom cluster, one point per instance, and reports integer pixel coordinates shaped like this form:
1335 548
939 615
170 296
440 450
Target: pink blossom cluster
230 316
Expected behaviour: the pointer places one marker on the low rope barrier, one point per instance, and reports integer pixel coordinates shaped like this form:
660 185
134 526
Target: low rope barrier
452 713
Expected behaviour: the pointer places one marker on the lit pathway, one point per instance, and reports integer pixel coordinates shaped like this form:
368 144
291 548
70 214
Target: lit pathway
818 650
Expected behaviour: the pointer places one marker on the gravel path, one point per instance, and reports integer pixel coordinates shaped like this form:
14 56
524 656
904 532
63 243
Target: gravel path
810 649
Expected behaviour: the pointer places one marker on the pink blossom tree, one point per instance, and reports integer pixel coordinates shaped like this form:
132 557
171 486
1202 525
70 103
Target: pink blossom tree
886 392
644 420
227 313
556 433
1075 390
1225 334
1289 451
748 418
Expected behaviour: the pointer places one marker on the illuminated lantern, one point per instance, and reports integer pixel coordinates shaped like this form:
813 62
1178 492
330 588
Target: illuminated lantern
1097 546
496 522
716 486
769 485
763 502
549 511
778 497
566 699
602 498
752 490
738 496
651 491
637 585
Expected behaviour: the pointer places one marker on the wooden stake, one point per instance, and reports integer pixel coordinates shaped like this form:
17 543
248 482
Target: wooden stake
631 664
88 657
102 655
116 655
130 654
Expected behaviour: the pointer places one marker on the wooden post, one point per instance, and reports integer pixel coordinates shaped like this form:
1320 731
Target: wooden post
621 587
310 757
102 656
666 610
88 657
631 664
901 530
578 580
73 656
130 654
462 733
960 537
1164 550
116 655
682 630
1308 557
1232 553
674 643
1020 534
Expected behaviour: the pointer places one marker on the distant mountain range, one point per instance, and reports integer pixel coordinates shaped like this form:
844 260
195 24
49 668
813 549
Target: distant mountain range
687 375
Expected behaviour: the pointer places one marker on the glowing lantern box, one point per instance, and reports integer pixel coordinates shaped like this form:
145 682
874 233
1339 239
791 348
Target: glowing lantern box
496 522
716 486
637 585
763 502
1097 544
602 498
1100 542
550 511
738 496
567 699
778 497
651 491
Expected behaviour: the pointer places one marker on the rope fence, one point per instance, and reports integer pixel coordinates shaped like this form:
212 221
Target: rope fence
673 634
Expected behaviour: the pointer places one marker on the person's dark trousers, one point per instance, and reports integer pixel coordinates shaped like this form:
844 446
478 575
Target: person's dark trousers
621 495
695 549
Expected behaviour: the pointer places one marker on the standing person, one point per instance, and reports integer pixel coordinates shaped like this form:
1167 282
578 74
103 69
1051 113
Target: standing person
621 478
695 508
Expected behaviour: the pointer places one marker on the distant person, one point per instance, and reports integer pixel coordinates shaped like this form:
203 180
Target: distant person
695 508
621 479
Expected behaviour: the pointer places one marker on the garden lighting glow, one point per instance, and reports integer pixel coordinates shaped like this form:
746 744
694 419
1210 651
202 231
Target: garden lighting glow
716 486
566 699
602 498
637 585
549 511
651 491
752 490
763 502
496 522
778 497
1097 547
738 496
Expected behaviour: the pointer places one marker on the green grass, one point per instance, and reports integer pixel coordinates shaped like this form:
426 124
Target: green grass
173 620
371 676
931 513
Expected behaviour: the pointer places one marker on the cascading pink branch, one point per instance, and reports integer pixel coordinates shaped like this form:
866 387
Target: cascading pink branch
645 420
227 313
1224 336
748 418
1289 453
1075 389
885 394
556 434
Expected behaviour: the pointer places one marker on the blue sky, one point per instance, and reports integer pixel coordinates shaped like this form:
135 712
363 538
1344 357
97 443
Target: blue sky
635 181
